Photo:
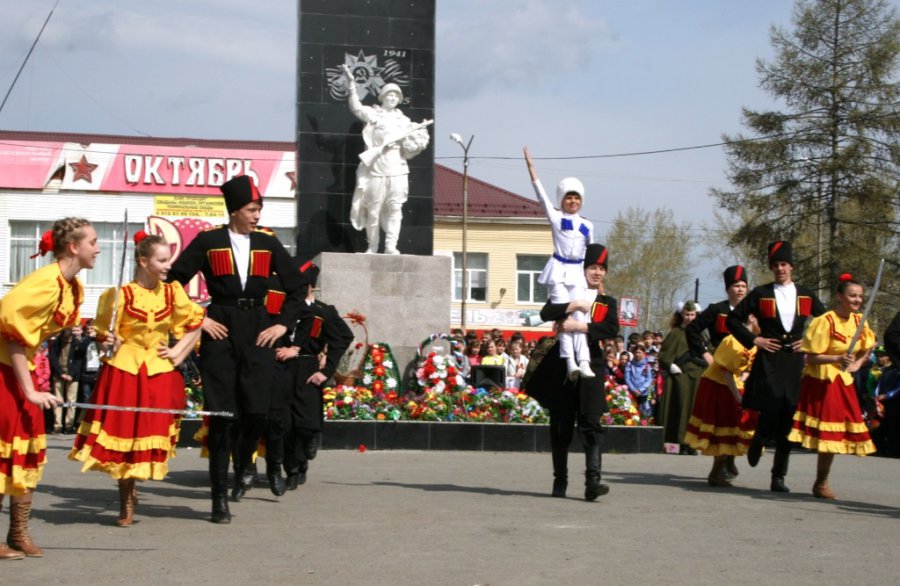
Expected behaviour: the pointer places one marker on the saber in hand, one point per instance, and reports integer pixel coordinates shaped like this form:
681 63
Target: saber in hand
865 315
115 311
184 412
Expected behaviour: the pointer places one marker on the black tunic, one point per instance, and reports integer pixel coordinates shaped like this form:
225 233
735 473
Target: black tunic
549 380
712 319
320 325
237 374
775 376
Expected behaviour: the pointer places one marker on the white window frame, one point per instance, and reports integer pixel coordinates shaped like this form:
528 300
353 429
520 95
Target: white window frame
533 275
473 272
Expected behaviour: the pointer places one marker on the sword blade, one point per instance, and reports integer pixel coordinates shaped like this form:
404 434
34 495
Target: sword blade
184 412
115 311
869 303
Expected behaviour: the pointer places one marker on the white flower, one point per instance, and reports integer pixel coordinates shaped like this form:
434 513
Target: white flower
367 379
388 363
392 382
439 387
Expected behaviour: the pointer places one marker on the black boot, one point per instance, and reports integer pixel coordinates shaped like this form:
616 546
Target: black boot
218 480
244 477
276 480
560 472
311 446
780 466
593 488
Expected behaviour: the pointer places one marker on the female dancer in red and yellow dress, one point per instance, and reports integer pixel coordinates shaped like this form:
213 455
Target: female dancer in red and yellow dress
129 445
719 426
39 306
828 418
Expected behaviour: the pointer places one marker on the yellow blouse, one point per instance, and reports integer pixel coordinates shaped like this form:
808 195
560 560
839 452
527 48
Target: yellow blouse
830 334
145 320
495 360
39 306
730 360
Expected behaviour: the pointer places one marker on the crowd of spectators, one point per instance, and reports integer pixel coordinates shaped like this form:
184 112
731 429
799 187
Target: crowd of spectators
631 362
67 365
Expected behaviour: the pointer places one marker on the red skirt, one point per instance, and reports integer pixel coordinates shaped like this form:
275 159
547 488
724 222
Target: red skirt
719 426
829 420
23 445
127 444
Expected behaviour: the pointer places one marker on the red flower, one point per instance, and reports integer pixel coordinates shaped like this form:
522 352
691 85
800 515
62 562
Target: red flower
379 371
378 386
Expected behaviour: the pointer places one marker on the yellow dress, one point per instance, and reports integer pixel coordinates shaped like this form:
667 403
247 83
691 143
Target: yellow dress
828 417
39 306
719 426
127 444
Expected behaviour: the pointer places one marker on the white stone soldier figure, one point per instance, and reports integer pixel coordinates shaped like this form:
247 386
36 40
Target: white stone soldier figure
382 178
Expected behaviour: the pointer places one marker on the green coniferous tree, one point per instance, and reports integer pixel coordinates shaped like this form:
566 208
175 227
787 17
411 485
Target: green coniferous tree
822 170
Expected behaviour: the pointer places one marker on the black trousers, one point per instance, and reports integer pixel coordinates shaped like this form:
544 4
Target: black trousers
775 423
564 416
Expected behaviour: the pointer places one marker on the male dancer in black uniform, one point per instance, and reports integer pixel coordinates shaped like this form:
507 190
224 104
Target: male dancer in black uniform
237 360
583 400
782 310
319 329
712 319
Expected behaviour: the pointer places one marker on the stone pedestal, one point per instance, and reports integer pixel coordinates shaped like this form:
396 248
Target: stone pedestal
405 298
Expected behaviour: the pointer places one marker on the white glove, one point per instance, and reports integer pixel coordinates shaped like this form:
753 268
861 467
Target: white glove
674 369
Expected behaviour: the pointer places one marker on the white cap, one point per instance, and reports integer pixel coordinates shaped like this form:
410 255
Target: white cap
569 185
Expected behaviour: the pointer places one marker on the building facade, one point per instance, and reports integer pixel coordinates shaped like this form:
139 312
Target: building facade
170 187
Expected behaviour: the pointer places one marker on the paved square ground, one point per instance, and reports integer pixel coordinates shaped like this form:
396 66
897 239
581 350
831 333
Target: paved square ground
466 518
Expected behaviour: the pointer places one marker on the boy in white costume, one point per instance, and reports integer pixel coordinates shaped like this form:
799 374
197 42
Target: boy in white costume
564 274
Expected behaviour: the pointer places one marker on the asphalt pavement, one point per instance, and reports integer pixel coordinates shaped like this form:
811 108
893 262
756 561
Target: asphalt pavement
467 518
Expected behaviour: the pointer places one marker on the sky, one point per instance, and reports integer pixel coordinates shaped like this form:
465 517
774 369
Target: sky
568 78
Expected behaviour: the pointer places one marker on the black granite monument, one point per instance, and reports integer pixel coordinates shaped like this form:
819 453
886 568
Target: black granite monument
381 41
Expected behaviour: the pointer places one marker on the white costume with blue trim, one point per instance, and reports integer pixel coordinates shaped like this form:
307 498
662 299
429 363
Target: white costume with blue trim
564 272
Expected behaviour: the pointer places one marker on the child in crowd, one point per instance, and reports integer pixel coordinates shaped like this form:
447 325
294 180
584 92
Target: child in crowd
472 352
489 355
564 274
640 380
616 371
515 365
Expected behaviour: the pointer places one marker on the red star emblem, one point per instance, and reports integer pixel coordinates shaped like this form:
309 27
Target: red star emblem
82 169
292 175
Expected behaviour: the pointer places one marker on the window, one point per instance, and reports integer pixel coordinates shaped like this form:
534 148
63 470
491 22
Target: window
528 269
476 266
25 236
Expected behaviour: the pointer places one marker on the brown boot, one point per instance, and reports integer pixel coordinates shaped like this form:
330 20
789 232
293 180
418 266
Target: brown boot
7 553
18 536
127 497
717 476
820 489
730 467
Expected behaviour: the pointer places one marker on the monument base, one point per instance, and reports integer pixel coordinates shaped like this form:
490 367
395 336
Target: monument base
480 437
405 298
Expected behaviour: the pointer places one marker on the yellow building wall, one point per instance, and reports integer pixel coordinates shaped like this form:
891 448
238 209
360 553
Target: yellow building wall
501 241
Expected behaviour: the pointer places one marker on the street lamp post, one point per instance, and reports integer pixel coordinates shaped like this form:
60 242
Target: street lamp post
465 225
